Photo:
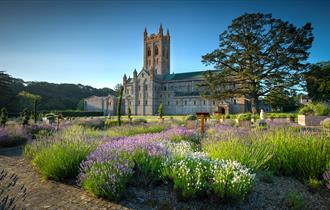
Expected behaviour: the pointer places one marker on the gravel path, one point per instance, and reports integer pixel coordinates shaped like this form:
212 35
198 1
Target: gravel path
45 194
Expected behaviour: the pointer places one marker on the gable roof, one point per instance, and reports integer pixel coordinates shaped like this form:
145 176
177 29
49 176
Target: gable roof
185 76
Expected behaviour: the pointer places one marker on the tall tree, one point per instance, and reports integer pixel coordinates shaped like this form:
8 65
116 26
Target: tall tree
257 53
34 99
119 105
318 82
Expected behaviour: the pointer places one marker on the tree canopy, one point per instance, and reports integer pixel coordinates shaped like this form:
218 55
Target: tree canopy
258 53
318 82
54 96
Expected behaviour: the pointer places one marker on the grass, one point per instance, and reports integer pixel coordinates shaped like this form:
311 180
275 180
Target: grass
287 151
134 130
251 152
299 154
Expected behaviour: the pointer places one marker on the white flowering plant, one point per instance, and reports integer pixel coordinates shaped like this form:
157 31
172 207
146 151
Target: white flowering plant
230 180
189 174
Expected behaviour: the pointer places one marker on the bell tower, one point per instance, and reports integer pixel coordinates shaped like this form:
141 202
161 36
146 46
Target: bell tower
157 53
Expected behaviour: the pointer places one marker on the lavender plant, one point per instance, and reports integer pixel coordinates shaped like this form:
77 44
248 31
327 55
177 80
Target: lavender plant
61 158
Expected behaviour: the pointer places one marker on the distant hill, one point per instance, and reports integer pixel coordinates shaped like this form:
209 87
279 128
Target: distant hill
54 96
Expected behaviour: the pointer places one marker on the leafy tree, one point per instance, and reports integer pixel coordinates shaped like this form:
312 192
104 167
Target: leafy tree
280 98
119 105
3 117
318 82
81 105
257 53
160 111
118 88
35 99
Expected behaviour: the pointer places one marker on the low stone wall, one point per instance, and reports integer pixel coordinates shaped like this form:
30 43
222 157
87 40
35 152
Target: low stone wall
310 120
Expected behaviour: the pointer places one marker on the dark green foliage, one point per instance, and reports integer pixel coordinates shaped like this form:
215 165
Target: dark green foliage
129 112
5 81
257 53
318 82
317 109
25 114
267 176
3 117
279 99
54 96
244 116
293 200
191 117
160 110
80 114
119 105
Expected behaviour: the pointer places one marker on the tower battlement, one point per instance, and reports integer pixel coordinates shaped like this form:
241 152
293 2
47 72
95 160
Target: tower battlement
157 53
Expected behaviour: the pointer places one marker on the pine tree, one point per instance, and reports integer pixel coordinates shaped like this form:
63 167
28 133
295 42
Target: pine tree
257 53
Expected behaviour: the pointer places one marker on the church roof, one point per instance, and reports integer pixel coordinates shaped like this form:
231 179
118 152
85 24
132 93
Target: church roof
185 76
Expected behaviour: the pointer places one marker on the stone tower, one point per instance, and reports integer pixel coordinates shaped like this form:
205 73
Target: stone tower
156 58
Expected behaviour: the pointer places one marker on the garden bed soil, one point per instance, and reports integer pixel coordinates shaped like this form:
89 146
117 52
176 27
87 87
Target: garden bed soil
42 194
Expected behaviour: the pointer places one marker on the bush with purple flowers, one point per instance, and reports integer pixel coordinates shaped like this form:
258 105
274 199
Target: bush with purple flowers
12 136
117 160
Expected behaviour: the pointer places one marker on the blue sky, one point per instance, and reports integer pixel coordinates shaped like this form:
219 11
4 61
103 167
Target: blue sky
96 42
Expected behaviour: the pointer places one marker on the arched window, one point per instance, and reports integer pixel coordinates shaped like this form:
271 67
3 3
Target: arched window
148 52
156 50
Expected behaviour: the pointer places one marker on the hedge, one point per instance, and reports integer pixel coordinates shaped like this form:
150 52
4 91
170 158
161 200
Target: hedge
80 114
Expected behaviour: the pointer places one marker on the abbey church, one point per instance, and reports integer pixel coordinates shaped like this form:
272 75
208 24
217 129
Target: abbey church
155 84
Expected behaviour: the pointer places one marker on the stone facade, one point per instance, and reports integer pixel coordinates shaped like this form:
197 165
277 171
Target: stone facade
178 93
105 104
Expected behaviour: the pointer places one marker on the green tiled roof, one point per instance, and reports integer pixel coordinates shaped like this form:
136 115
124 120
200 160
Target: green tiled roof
185 76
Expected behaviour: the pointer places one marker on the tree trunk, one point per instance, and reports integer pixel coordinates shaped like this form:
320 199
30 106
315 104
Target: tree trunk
119 106
35 111
254 105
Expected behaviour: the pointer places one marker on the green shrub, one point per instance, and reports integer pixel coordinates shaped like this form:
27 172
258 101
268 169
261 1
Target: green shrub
25 115
80 114
244 116
293 200
134 130
107 179
3 117
326 123
253 153
160 110
12 136
267 176
318 109
147 168
139 120
61 158
191 117
189 175
299 154
313 184
231 180
50 116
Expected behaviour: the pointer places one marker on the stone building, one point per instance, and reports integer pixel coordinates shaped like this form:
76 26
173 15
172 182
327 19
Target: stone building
155 84
105 104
